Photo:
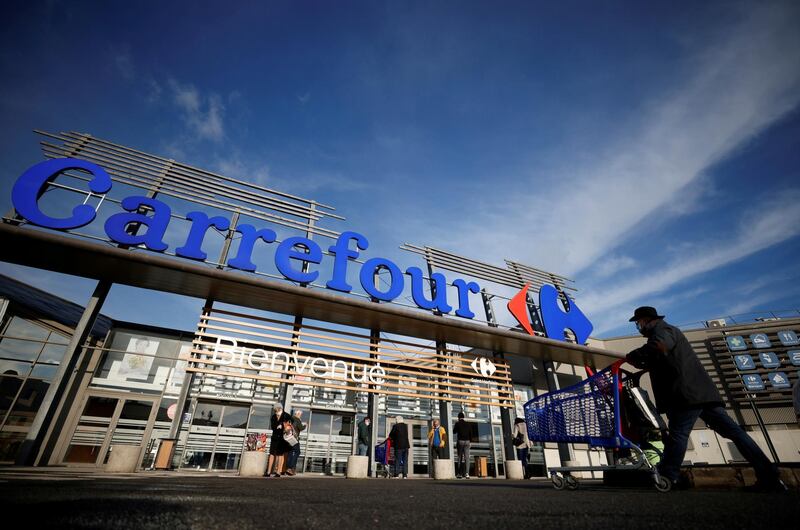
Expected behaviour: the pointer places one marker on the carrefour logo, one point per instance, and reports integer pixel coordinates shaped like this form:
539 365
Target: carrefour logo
483 366
556 316
293 255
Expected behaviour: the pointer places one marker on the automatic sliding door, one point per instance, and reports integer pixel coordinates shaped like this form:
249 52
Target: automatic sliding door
329 442
230 438
90 434
341 441
216 436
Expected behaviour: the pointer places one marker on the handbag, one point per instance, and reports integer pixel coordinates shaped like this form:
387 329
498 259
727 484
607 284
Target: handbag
290 438
518 439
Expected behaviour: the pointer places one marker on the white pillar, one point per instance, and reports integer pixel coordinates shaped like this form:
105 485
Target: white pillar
443 469
357 466
514 470
254 464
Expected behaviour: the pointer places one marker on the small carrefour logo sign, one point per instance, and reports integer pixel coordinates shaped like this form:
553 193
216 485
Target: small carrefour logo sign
483 366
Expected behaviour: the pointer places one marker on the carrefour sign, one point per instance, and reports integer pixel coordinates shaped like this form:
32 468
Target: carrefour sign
291 254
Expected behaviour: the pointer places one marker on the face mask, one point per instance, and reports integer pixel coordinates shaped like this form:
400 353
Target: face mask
642 328
367 422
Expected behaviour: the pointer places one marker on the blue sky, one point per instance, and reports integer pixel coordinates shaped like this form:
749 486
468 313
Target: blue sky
647 150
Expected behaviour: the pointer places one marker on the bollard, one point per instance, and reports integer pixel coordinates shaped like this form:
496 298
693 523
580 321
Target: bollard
254 464
514 470
443 469
357 466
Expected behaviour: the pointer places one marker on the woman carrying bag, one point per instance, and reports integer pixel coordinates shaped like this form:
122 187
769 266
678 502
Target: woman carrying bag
519 436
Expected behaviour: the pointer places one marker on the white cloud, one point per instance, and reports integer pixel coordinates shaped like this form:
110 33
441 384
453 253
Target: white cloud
730 90
610 265
774 221
202 114
124 63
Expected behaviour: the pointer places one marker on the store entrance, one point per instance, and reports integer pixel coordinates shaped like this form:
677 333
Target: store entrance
108 420
329 442
216 436
419 454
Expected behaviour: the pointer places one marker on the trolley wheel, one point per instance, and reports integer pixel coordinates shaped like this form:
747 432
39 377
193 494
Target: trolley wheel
558 482
663 484
572 482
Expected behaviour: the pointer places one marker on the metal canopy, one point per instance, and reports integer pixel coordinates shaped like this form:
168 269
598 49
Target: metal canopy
71 255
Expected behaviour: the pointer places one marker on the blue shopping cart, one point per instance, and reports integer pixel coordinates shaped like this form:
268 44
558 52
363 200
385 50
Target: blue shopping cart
588 413
382 454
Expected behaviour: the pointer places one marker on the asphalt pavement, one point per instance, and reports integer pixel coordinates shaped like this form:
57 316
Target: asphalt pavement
188 501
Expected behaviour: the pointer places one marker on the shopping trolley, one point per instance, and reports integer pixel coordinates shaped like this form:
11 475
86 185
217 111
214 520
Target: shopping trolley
588 413
382 454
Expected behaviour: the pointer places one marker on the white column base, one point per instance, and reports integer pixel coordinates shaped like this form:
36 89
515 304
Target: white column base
254 464
443 469
357 466
514 470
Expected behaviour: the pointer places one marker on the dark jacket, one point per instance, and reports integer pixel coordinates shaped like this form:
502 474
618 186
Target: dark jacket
364 433
462 430
297 423
679 380
276 424
399 436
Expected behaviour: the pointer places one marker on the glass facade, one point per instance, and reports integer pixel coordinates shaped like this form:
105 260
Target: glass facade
30 352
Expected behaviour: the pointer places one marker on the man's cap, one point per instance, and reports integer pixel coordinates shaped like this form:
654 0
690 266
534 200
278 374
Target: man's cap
645 312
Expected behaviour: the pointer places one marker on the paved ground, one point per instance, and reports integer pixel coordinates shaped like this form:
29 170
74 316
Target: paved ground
181 501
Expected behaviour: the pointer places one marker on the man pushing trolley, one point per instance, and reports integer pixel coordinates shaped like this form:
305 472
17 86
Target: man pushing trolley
591 413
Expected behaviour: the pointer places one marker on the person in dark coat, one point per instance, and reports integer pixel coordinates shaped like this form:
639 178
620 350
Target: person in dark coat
684 392
399 437
463 433
278 447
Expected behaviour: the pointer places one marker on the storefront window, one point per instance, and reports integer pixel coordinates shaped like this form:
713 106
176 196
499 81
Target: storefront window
26 369
140 362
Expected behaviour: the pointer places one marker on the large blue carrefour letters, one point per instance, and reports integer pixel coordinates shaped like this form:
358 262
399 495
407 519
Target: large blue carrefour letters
367 278
145 220
342 253
153 238
33 183
286 252
556 320
193 248
438 297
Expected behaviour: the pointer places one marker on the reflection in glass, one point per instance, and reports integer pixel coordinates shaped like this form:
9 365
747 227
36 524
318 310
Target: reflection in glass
28 402
235 417
207 414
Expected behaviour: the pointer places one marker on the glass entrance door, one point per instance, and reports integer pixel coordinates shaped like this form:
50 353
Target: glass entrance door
216 436
107 421
329 442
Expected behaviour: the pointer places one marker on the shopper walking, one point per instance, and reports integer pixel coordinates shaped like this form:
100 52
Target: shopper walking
437 440
685 392
519 436
364 436
463 433
399 437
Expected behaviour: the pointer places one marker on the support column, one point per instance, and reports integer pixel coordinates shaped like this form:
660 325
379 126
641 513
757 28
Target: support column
505 415
372 405
37 448
188 379
29 453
